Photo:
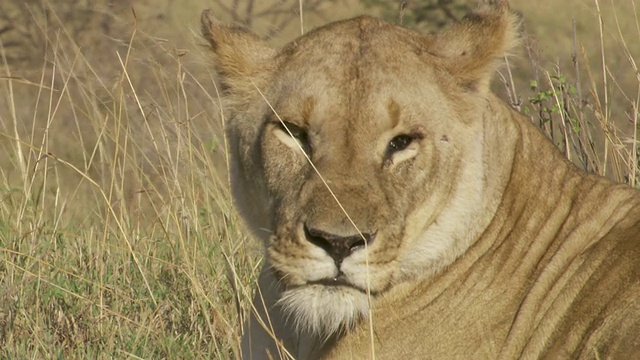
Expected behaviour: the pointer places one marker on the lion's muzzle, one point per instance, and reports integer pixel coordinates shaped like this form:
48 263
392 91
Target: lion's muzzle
337 246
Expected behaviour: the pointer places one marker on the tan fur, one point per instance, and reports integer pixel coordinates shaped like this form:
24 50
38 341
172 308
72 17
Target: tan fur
486 243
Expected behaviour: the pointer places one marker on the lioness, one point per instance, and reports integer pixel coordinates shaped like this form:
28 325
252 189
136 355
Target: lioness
407 212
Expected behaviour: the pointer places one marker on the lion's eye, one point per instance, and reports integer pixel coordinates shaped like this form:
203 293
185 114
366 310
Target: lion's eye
400 143
291 131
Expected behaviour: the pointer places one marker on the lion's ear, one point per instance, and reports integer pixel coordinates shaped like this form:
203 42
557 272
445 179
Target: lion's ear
241 59
474 47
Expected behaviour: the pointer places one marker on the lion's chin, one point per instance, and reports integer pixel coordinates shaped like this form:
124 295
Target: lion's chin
324 310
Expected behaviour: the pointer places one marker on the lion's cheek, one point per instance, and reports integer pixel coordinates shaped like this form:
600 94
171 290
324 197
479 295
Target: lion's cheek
297 265
374 277
284 169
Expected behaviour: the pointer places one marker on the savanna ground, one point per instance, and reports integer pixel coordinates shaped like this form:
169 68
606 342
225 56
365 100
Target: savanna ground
118 238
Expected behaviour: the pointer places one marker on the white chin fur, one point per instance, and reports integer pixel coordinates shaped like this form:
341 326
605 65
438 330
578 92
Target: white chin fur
324 310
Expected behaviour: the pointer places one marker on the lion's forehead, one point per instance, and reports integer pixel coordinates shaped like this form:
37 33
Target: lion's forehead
360 36
362 50
354 85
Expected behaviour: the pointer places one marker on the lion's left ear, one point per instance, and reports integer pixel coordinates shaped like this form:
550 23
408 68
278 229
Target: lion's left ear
242 60
474 47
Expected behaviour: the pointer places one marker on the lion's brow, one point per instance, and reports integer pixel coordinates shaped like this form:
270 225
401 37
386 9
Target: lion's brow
308 106
394 112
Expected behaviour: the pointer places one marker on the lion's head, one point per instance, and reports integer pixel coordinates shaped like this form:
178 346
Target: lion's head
359 153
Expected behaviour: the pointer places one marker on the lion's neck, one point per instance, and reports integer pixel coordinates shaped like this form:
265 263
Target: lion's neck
543 228
559 207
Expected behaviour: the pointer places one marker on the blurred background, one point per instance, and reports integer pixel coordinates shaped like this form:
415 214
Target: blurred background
118 238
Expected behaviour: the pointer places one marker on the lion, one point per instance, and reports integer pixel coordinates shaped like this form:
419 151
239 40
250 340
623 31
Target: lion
407 212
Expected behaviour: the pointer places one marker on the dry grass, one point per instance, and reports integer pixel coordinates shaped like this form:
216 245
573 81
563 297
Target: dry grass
586 91
116 231
117 234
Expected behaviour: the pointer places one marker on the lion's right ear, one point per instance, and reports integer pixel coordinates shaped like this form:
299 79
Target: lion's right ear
473 48
242 60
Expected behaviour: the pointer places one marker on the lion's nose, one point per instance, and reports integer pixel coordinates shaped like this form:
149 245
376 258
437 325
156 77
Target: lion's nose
338 247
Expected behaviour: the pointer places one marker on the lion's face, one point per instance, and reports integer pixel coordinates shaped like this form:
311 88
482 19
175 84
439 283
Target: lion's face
347 168
370 167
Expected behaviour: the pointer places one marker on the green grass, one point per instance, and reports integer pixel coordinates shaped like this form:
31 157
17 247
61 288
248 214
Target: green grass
118 238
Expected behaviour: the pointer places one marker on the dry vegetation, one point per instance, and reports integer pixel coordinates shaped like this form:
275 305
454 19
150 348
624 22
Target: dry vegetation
117 234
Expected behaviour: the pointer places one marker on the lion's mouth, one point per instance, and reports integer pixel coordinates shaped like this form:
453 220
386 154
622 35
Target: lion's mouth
336 281
340 281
